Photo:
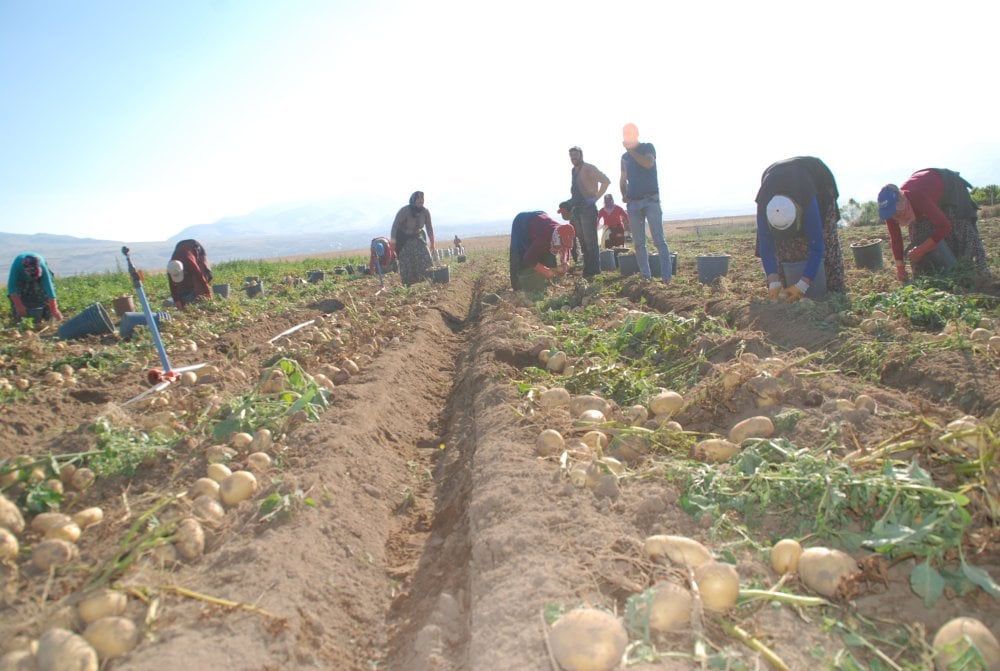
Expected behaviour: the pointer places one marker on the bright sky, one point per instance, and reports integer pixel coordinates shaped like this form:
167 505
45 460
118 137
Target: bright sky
132 120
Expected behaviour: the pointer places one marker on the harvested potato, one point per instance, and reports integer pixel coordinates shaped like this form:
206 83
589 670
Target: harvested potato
865 402
588 417
588 639
42 522
62 650
844 404
52 553
718 585
613 465
83 478
785 556
67 532
636 415
259 462
670 425
208 509
629 447
18 660
112 636
190 539
220 454
238 487
557 362
680 550
666 403
596 440
981 334
102 603
218 472
670 608
952 641
240 440
543 356
554 398
579 404
189 378
714 450
351 366
262 440
752 427
549 443
204 487
822 569
9 547
10 515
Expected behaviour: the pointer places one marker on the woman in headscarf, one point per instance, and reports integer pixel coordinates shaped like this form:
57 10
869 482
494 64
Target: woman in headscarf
413 240
539 250
31 290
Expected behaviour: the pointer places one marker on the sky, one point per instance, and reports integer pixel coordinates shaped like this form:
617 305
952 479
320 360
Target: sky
131 120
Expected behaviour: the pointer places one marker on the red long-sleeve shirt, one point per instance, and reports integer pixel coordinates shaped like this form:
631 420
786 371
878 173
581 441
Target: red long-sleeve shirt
924 190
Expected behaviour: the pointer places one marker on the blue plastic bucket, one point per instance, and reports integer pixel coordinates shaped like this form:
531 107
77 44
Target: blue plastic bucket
94 320
793 271
938 259
608 259
627 264
132 319
440 274
655 268
711 268
868 255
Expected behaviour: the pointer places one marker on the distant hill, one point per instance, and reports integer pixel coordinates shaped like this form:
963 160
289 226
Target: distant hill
295 229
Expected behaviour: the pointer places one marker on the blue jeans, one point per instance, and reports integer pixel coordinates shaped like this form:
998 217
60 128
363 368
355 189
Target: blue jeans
584 220
647 211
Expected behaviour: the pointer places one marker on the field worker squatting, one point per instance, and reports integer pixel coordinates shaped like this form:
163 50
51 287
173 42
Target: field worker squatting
539 250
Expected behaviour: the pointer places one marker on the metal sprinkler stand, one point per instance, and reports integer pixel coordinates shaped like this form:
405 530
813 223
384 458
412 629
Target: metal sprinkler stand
160 379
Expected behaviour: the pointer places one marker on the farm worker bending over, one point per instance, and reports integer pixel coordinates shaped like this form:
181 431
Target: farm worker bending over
936 207
189 274
615 221
31 290
381 256
797 216
539 250
413 240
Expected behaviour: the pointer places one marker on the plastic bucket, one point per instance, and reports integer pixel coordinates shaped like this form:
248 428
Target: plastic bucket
315 276
363 268
349 269
255 289
94 320
460 258
939 258
793 271
132 319
221 290
868 255
627 264
711 268
122 304
607 259
440 274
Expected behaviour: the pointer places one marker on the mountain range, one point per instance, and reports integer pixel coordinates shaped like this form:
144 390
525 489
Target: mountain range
316 227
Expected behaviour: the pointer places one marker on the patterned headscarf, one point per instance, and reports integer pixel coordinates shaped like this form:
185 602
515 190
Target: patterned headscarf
32 267
563 237
416 209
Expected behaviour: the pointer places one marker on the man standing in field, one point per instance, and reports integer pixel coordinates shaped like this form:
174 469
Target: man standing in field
587 186
641 192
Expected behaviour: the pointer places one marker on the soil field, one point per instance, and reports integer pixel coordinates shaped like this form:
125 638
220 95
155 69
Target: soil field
405 519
